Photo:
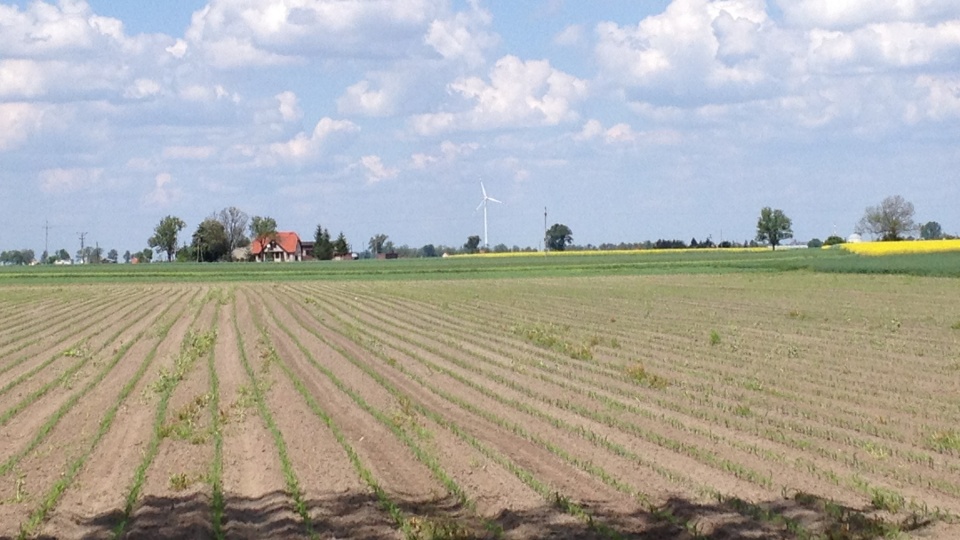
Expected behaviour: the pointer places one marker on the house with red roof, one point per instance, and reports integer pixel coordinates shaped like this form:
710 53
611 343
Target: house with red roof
280 247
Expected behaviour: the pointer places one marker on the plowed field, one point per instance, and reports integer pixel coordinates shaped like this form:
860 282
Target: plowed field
721 406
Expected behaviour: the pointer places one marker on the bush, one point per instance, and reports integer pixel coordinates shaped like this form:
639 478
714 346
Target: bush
815 243
833 240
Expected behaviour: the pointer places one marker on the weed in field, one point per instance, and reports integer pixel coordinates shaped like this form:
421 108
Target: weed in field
743 411
797 314
955 326
185 425
946 442
75 352
425 528
887 500
714 337
179 481
551 336
638 373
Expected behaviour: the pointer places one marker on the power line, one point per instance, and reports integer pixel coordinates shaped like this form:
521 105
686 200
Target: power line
83 254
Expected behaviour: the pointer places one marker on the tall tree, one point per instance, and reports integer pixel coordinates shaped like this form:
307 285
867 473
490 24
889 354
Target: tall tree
112 255
164 238
892 219
773 227
377 242
931 230
127 256
472 244
234 223
210 242
322 246
340 245
262 227
63 255
559 236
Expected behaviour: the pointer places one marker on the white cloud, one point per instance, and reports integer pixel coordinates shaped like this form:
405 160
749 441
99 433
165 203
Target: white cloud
164 191
696 50
178 49
570 36
832 14
376 171
361 99
303 146
289 107
192 153
142 88
44 29
519 93
63 181
942 99
240 33
462 37
449 152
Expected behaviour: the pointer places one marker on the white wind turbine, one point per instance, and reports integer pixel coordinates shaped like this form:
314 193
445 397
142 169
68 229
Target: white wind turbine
483 204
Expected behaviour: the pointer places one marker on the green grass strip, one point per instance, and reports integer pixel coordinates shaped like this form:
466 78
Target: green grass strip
153 447
217 506
289 475
52 497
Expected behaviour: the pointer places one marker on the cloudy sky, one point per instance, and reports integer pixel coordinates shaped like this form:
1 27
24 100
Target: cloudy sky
628 120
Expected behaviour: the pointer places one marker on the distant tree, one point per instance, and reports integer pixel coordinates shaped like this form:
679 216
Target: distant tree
833 240
931 230
263 227
63 255
164 238
234 223
815 243
773 227
94 255
501 248
210 241
17 257
472 245
889 221
340 245
44 256
127 256
113 256
428 250
388 247
693 243
145 256
377 243
322 246
559 236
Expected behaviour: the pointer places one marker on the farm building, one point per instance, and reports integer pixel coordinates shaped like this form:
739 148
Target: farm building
281 247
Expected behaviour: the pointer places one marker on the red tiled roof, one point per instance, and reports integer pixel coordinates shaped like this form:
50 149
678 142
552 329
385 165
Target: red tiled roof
286 240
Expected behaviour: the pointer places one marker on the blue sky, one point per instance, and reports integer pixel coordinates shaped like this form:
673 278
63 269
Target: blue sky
627 120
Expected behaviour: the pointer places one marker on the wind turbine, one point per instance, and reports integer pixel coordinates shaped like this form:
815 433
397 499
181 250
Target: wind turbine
483 204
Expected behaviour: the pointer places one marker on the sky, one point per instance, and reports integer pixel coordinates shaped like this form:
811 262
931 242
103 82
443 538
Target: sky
624 120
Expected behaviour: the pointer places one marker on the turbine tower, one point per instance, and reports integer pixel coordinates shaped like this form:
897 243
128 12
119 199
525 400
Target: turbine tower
483 204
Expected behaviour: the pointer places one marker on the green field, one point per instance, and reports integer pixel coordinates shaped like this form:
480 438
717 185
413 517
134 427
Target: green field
663 262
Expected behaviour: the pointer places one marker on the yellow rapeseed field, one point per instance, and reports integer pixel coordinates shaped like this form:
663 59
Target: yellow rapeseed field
899 248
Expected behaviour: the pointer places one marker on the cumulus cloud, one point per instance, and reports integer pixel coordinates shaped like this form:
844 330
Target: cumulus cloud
164 191
449 152
570 36
289 106
304 146
462 36
519 93
63 181
20 121
834 14
376 170
238 33
361 99
696 51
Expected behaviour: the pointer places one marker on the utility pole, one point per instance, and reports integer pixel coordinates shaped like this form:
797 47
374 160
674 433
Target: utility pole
544 229
46 238
83 254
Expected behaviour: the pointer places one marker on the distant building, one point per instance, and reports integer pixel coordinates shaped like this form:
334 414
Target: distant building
854 238
281 247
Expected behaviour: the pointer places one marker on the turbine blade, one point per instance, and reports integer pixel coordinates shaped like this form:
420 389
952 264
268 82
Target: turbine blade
491 199
481 205
484 190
